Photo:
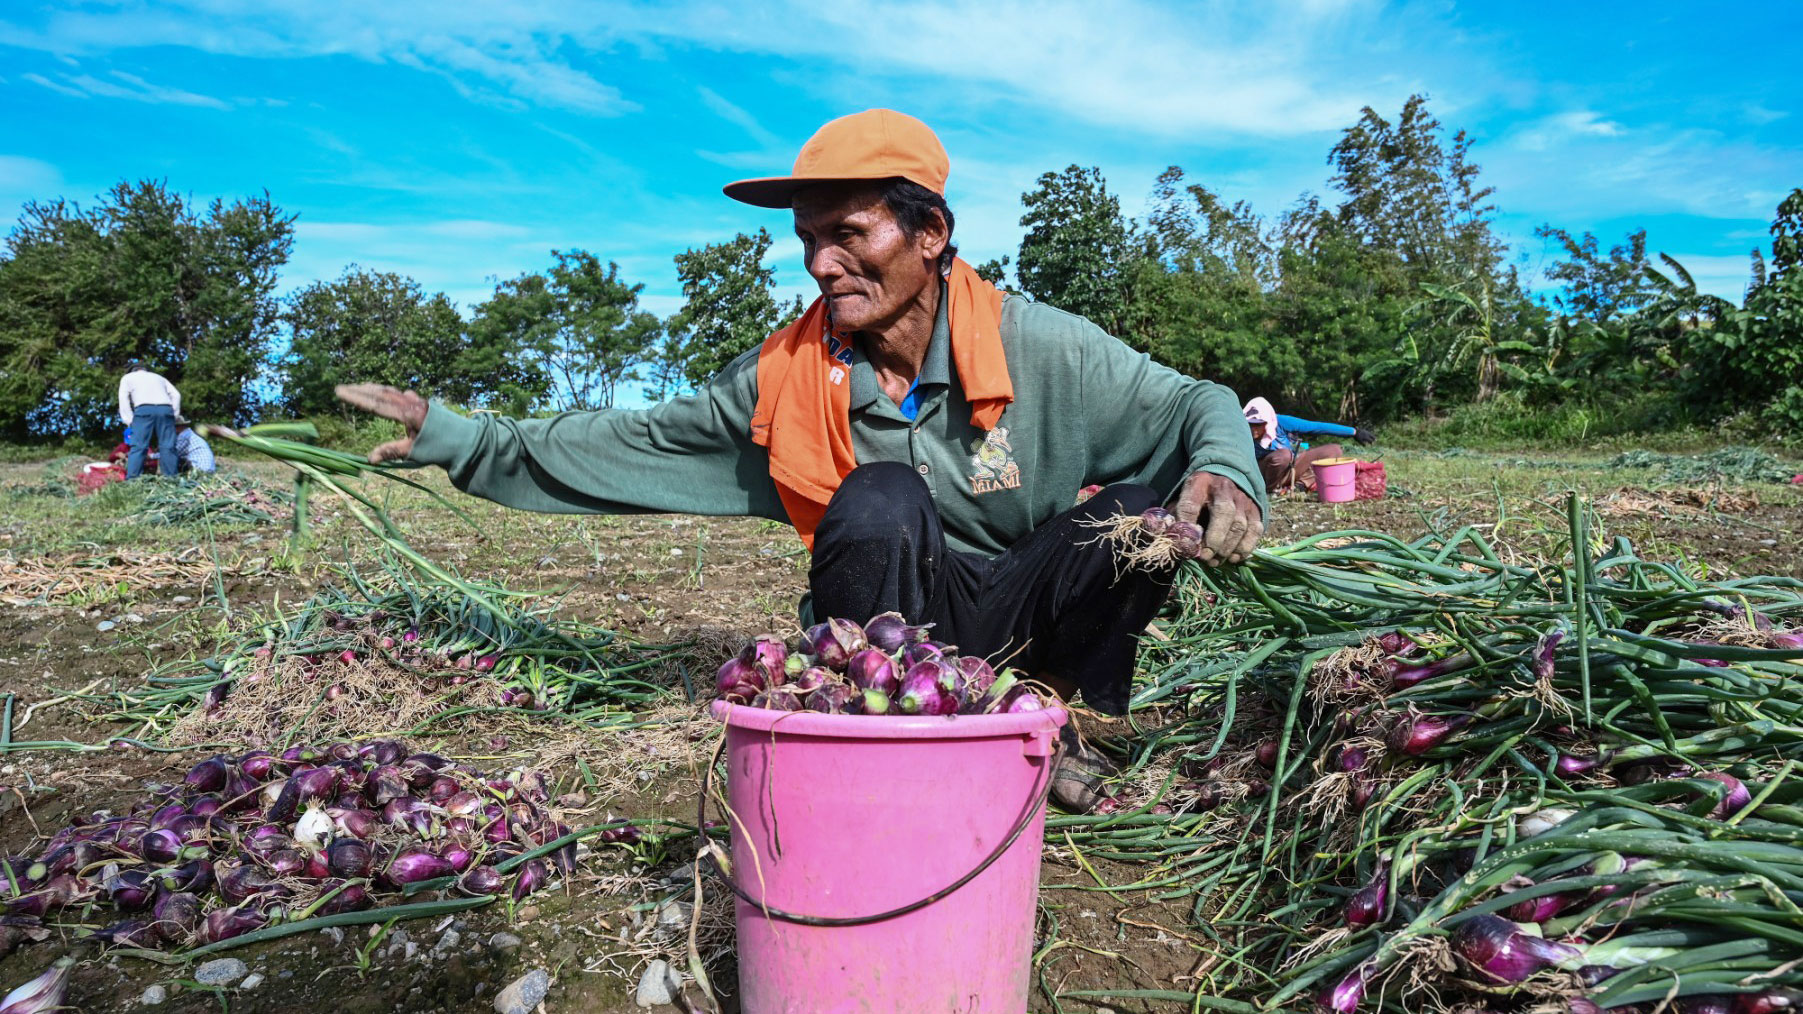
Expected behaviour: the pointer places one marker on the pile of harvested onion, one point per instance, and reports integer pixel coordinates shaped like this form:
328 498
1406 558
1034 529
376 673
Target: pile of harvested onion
884 667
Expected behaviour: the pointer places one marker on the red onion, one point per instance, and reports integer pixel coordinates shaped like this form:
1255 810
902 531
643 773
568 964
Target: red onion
351 899
1266 754
42 994
1155 520
1733 799
208 775
781 699
1020 700
872 669
1538 910
834 642
1395 642
1405 676
194 876
349 857
125 933
1366 906
1185 538
358 823
978 675
767 654
167 815
738 681
382 751
163 846
226 923
267 838
1494 948
460 858
176 915
481 880
385 783
833 699
130 890
239 882
1571 764
534 875
914 654
415 863
443 788
1543 654
1420 733
921 692
891 633
486 663
411 636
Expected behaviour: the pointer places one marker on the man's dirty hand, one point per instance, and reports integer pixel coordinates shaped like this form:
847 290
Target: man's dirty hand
1230 520
404 407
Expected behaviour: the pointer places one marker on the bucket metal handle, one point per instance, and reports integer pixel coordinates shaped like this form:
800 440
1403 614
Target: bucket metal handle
1033 748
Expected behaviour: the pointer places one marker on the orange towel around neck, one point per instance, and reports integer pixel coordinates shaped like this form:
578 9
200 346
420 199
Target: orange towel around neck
803 412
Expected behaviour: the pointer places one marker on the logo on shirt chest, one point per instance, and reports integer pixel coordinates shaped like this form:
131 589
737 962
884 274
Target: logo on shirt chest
994 464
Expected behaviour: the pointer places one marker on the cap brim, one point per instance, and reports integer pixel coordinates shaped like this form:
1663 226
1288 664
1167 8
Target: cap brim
779 191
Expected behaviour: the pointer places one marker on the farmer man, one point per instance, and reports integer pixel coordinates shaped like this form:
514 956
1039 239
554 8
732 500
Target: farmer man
148 404
924 433
195 453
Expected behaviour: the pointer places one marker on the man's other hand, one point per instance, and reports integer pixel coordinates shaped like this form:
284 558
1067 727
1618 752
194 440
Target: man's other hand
1364 436
404 407
1231 523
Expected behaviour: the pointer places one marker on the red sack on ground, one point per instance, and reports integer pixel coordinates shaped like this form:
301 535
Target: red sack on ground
95 476
1370 483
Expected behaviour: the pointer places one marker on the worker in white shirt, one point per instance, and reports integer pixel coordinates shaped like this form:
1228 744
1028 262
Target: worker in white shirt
148 403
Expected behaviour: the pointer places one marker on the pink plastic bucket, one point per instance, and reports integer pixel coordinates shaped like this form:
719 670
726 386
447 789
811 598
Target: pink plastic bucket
850 816
1336 479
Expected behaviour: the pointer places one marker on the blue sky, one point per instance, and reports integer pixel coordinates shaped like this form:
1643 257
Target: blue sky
460 143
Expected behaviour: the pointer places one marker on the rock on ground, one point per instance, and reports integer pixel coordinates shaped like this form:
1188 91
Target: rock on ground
657 985
221 972
524 993
153 996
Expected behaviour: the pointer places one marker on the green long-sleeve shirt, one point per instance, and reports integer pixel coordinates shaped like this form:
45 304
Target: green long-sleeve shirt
1087 409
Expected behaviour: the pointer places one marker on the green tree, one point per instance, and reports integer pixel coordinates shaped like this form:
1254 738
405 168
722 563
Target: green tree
1595 287
583 323
1196 290
373 326
141 275
1749 356
728 308
1346 307
1074 254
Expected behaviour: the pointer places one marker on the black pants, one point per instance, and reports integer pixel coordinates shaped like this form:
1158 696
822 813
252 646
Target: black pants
1052 604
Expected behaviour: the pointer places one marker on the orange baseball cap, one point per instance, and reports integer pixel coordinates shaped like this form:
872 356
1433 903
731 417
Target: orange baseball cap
876 144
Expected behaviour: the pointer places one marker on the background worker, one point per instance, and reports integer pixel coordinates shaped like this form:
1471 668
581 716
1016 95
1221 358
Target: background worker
1281 461
195 453
148 404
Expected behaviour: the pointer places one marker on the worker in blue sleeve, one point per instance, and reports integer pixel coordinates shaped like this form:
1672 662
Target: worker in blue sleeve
1282 459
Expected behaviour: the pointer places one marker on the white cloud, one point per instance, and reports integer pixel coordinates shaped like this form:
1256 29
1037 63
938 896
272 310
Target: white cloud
1558 128
1295 66
1589 173
125 86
